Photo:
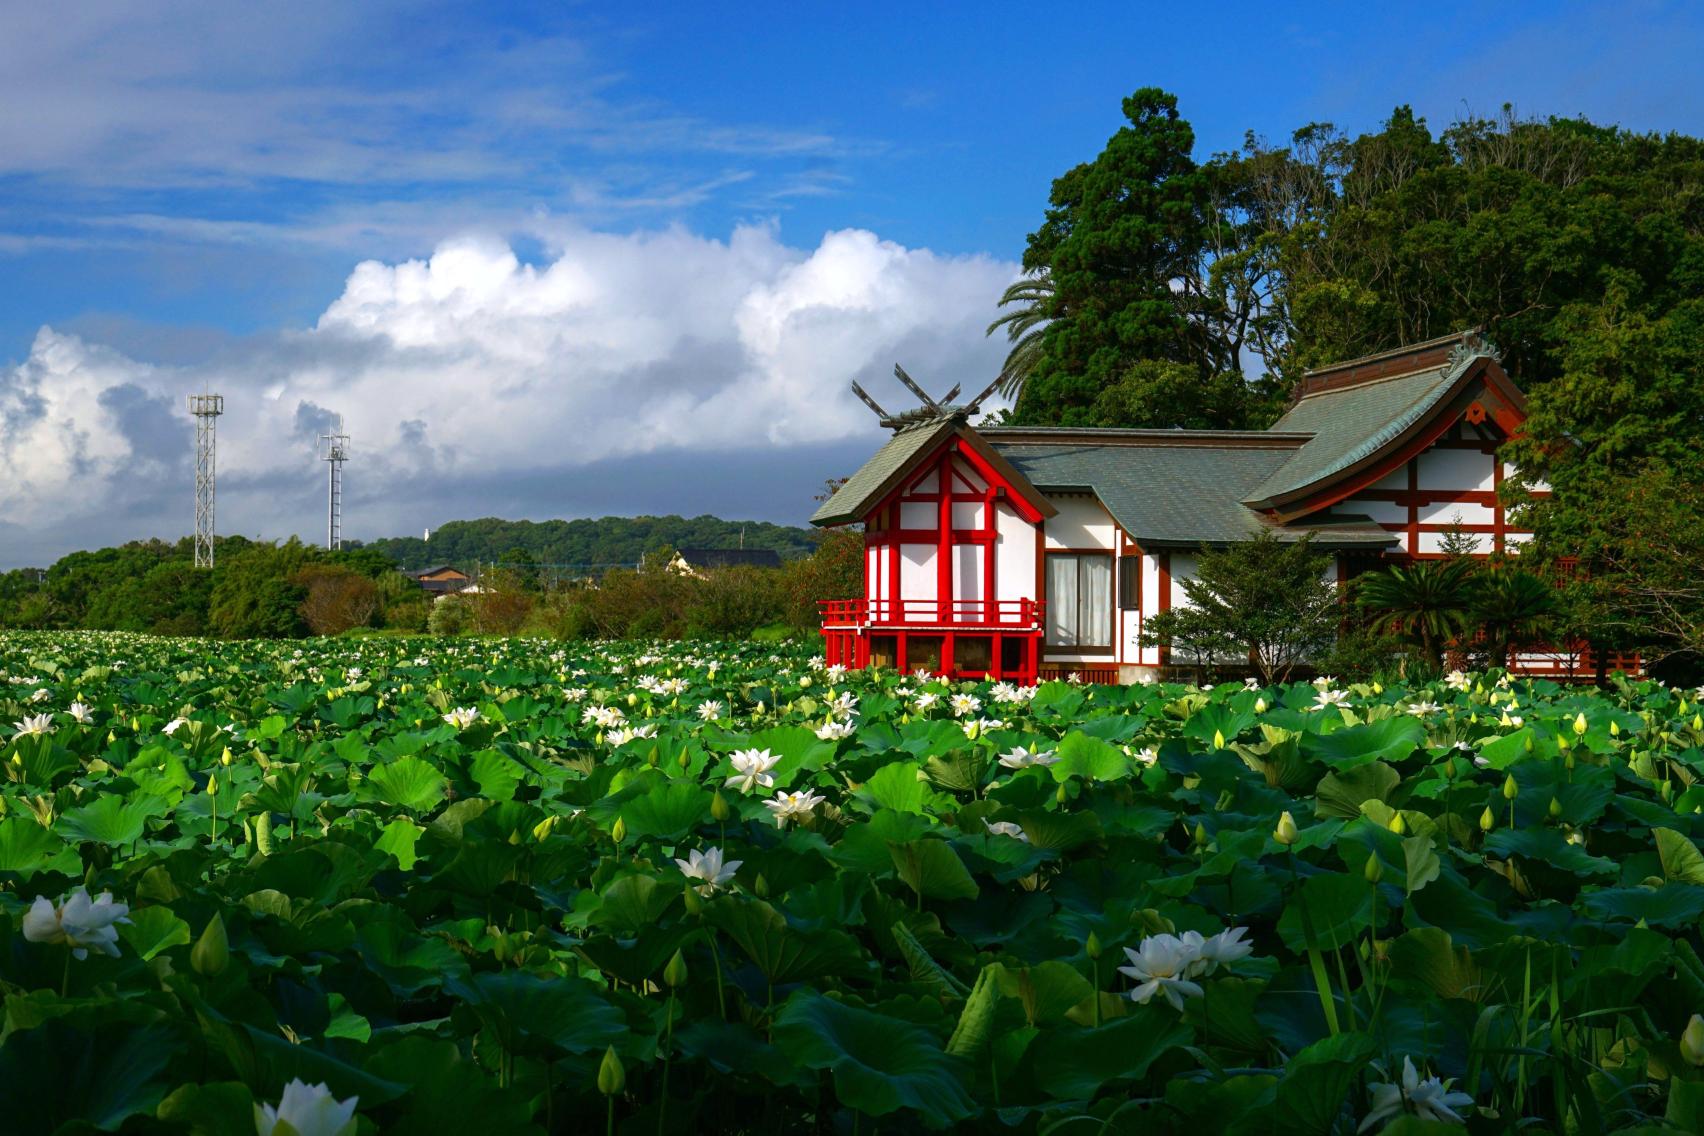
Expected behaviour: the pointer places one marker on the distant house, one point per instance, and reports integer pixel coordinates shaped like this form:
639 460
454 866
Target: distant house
442 580
697 559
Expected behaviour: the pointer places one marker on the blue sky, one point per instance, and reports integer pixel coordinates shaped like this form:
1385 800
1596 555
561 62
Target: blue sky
185 194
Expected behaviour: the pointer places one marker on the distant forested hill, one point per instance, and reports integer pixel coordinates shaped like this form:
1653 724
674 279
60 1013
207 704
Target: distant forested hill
605 541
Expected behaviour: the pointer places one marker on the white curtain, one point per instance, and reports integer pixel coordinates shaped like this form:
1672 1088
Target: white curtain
1094 618
1062 601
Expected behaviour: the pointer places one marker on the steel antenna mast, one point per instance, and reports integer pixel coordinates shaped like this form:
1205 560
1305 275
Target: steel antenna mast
206 408
334 451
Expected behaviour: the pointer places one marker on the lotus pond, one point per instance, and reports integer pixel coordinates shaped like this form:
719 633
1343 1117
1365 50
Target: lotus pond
423 886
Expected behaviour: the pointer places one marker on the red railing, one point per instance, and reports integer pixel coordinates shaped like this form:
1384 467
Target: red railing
1022 614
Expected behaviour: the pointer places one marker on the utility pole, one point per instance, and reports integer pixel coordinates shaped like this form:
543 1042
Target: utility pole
206 408
334 451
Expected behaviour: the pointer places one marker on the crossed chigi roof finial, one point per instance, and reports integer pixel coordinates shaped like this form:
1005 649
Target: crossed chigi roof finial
929 409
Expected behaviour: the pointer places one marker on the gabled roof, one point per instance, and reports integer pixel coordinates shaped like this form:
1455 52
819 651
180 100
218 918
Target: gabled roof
435 569
1358 410
909 446
1173 488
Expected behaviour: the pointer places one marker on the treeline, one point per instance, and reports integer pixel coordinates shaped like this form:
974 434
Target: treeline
274 590
1163 289
603 542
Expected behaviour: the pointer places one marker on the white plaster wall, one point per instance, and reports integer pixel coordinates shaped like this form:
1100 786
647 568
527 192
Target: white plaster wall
875 573
1457 512
1014 556
1456 469
1397 479
919 515
1182 568
967 514
967 575
1082 522
917 577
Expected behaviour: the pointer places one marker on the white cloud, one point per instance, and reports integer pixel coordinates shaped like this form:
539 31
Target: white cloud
471 365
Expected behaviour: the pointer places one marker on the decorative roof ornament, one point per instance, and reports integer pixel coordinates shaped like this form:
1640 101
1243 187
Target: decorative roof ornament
929 409
1473 345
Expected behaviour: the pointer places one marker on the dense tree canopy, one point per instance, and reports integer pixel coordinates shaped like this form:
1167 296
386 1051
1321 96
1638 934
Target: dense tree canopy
603 542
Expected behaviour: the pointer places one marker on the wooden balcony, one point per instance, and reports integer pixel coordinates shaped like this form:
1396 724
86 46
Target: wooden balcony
925 614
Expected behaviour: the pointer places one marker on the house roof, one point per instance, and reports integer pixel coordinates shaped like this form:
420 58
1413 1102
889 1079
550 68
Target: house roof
1168 493
730 557
1176 488
1350 424
435 569
913 442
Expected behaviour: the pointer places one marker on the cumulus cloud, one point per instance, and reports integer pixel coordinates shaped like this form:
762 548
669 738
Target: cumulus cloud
662 350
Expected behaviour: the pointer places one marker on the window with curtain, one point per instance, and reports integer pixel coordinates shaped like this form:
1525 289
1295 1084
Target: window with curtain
1079 600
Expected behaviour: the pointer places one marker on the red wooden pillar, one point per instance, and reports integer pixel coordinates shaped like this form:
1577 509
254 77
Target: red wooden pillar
944 540
900 656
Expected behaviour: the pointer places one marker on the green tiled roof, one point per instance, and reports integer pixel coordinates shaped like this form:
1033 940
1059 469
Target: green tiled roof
853 500
1168 495
1352 424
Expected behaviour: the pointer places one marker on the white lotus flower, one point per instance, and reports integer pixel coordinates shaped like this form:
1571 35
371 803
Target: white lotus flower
624 734
1457 680
1429 1099
575 694
306 1110
926 700
1251 683
1147 755
1327 698
83 713
33 726
752 769
791 806
843 705
1021 758
77 921
1224 948
1421 709
173 726
1003 692
708 867
606 717
976 727
835 673
462 717
834 731
1161 965
709 710
1008 828
965 704
41 695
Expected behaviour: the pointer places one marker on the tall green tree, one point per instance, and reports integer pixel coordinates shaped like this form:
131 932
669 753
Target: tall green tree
1118 233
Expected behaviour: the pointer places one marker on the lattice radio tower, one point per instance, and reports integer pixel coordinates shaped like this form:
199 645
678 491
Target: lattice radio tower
334 451
206 408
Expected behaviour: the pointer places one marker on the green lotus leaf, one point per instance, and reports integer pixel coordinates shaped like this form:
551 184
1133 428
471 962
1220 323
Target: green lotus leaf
880 1064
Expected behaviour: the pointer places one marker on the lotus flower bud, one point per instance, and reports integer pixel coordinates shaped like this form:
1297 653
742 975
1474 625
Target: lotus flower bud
212 786
1218 739
1692 1041
683 761
1093 946
674 974
719 808
1397 824
633 700
1510 789
225 758
212 951
1698 722
1200 835
1486 820
1615 729
1555 808
1580 723
612 1078
618 832
1528 744
761 887
1260 705
1374 871
1285 833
